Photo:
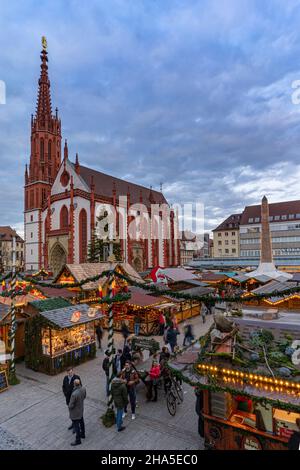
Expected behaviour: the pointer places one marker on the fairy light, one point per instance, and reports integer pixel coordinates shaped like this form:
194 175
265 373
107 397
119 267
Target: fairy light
259 381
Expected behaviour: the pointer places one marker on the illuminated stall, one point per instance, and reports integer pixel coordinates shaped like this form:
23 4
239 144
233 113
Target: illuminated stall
56 339
249 391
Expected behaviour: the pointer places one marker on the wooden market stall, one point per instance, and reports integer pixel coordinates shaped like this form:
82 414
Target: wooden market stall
56 339
141 304
283 298
92 291
21 302
249 390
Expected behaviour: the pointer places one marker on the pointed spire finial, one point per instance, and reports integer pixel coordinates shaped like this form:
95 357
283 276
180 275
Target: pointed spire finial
44 43
77 167
66 151
44 107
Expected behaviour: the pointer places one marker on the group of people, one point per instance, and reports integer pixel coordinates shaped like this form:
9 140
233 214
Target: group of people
123 386
75 395
168 328
126 377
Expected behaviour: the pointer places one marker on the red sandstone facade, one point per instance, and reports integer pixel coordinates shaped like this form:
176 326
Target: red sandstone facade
62 200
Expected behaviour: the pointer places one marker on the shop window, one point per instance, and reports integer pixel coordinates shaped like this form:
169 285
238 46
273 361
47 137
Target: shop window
58 342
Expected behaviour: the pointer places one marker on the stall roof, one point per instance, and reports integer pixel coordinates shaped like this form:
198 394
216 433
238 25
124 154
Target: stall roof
19 299
199 290
273 286
179 274
61 317
50 304
186 363
84 270
213 277
56 292
141 299
4 311
195 282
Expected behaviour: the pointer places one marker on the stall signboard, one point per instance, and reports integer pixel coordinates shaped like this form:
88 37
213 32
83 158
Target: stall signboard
75 317
3 381
145 343
251 443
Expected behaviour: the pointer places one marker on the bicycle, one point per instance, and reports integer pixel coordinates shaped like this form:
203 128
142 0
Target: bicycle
174 395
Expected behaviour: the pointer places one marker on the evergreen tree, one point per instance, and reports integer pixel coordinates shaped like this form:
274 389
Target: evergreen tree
98 249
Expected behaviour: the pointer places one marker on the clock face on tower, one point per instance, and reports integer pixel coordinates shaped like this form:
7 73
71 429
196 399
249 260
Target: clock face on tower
65 178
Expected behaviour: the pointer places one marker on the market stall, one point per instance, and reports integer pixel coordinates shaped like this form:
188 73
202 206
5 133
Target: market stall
56 339
142 305
250 391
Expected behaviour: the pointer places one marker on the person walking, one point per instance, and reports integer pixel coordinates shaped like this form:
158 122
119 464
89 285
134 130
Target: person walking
137 324
120 398
203 312
154 375
76 407
67 387
125 332
130 375
164 355
105 367
172 337
99 333
188 335
162 323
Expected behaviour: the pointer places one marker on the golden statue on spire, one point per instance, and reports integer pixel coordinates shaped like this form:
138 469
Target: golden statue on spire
44 43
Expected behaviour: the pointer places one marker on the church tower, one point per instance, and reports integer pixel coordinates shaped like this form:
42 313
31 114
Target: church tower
45 159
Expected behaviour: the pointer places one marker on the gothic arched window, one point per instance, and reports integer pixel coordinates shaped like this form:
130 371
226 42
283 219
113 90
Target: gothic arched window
49 150
82 236
42 150
64 217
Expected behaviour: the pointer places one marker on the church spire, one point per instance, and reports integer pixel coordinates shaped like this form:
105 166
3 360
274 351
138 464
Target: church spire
44 107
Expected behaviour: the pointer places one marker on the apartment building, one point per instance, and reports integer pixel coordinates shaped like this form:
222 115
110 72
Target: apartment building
284 219
6 249
226 238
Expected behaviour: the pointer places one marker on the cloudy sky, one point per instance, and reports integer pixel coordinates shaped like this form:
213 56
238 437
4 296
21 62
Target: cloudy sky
194 94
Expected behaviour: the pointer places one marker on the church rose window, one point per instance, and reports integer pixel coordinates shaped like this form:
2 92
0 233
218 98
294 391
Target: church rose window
64 179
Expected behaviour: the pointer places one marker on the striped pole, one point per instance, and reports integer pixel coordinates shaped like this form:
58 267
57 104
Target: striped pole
110 345
13 325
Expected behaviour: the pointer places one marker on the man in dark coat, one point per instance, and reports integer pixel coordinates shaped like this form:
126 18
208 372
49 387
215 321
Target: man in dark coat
76 408
294 441
67 387
120 397
105 367
130 375
172 337
199 411
125 332
99 333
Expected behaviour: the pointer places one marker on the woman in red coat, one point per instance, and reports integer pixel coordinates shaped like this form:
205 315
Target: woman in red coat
154 375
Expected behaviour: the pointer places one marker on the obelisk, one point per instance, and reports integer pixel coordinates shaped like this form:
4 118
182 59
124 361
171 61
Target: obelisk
265 241
266 266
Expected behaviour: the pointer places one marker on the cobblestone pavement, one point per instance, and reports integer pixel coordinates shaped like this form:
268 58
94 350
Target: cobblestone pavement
34 415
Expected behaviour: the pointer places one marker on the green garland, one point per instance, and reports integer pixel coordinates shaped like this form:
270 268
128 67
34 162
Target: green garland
5 277
154 289
218 388
207 297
